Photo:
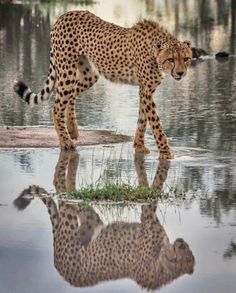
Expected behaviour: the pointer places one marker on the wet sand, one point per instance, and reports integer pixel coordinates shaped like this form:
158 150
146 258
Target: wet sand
45 137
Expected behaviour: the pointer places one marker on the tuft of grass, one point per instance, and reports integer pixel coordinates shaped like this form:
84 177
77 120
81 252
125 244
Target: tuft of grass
116 192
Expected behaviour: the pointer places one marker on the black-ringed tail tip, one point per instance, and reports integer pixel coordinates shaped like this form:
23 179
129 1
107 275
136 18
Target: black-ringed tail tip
22 90
32 98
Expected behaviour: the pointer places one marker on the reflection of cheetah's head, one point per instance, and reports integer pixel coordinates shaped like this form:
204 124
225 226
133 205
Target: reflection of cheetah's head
184 257
174 59
173 261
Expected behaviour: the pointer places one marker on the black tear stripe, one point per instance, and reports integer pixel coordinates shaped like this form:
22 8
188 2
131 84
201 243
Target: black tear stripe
172 71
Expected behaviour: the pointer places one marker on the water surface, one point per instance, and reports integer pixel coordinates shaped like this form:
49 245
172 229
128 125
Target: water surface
198 114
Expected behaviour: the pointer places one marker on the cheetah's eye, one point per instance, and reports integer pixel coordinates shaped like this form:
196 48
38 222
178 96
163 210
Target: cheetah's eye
171 60
186 59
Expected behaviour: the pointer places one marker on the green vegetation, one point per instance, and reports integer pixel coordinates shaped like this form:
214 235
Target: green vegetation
116 192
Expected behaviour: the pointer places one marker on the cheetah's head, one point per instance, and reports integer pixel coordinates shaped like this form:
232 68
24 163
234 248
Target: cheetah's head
174 58
184 256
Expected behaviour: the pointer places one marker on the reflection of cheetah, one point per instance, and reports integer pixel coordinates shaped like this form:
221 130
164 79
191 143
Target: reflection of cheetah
84 46
87 252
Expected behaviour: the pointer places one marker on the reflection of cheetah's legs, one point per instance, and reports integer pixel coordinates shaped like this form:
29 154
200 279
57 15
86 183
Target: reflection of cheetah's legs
65 171
160 176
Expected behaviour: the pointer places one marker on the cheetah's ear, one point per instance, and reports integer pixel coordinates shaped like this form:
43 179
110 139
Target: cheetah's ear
188 43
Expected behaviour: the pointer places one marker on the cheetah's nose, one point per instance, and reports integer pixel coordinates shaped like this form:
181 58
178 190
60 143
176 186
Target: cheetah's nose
180 73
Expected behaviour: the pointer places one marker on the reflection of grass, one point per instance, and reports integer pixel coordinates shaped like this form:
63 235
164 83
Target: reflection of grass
116 192
117 182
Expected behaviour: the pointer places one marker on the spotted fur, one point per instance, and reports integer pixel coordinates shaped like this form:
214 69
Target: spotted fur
83 46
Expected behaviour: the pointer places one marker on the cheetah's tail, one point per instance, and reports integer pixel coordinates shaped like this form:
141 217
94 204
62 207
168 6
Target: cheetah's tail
35 99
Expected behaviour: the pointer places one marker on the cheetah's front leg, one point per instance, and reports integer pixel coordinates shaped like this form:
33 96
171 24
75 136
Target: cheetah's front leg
149 110
140 132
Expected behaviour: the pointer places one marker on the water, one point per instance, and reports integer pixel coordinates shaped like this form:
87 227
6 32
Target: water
198 114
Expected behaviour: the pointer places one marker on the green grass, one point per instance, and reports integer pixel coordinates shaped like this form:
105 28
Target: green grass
116 192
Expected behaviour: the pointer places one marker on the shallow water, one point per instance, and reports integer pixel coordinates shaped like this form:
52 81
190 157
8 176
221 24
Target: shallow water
200 208
198 114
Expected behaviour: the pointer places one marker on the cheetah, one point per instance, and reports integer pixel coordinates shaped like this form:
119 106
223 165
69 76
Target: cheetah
83 47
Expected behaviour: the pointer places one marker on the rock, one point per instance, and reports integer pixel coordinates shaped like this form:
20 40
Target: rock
222 54
45 137
198 52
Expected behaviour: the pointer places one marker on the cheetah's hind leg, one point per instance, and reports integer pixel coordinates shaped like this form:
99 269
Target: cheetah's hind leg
87 76
71 121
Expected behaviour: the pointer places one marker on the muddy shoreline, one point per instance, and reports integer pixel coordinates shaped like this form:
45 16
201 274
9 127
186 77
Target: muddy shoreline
45 137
